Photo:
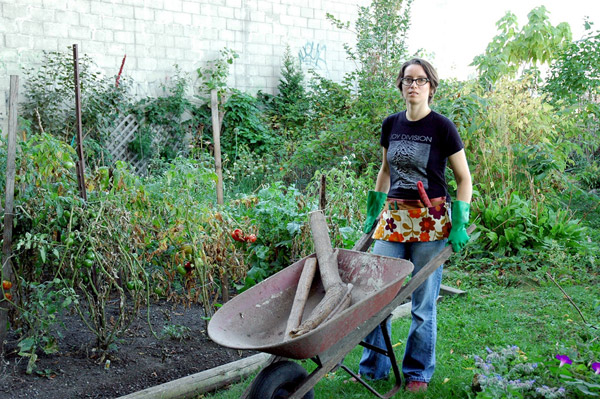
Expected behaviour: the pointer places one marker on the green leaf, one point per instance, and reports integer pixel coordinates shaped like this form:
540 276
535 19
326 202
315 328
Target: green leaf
26 345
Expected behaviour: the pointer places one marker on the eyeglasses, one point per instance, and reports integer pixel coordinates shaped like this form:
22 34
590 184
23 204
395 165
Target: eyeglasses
410 81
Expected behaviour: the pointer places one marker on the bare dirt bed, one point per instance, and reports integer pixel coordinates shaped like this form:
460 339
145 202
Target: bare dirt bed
140 360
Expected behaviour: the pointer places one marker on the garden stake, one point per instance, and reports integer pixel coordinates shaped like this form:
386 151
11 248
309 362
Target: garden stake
216 125
81 162
322 196
120 71
7 270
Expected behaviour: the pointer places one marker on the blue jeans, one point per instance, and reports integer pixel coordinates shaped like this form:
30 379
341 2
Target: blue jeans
419 355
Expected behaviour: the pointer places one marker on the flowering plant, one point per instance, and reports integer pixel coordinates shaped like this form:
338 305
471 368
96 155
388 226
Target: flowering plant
507 373
580 377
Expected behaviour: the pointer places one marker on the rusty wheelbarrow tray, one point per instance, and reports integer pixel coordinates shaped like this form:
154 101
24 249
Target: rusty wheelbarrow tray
256 320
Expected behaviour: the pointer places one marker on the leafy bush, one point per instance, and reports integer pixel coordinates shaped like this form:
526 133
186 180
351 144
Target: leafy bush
165 114
573 86
244 125
277 215
49 104
575 76
519 225
340 124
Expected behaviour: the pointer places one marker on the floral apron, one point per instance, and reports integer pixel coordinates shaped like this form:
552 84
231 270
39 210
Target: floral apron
411 221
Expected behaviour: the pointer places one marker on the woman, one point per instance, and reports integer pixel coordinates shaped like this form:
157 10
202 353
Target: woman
415 224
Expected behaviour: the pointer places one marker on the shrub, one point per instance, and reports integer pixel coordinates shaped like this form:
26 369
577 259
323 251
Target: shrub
165 115
83 248
49 104
277 215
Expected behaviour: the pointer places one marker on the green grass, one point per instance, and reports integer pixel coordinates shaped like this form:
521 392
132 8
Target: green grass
535 317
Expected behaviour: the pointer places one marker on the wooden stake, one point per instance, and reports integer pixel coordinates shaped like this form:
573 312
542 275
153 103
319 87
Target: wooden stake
7 269
81 162
322 194
306 279
216 125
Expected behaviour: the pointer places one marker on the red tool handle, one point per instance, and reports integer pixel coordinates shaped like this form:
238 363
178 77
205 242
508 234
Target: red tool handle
423 194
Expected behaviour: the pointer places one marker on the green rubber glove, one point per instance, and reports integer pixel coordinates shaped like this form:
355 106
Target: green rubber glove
460 217
375 201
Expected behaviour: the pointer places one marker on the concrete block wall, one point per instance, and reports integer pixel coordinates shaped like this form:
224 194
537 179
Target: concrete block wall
156 35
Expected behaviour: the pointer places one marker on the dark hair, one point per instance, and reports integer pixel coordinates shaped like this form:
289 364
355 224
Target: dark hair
429 71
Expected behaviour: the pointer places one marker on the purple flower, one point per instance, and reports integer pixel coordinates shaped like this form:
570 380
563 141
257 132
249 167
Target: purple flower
437 211
390 225
596 368
564 359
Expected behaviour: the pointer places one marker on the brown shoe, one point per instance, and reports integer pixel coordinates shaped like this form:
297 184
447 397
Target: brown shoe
416 386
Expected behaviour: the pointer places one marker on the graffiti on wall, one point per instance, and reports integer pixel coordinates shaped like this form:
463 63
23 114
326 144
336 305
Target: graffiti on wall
313 55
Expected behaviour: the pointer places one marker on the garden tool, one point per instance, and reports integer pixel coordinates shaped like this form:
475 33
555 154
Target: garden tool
423 194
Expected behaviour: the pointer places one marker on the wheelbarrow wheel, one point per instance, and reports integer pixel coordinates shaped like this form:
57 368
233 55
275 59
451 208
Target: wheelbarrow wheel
278 381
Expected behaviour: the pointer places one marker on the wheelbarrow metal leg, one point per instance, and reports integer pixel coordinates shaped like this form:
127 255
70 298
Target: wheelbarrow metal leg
392 356
362 381
389 352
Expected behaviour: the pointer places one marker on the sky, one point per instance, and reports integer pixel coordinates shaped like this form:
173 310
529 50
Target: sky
455 31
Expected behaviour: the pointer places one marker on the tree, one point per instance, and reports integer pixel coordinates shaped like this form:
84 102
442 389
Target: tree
512 49
574 80
291 104
575 76
381 31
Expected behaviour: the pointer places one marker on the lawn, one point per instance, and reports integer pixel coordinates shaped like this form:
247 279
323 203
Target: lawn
534 315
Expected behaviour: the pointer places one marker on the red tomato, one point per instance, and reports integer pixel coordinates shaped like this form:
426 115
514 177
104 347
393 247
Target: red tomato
238 235
7 285
251 238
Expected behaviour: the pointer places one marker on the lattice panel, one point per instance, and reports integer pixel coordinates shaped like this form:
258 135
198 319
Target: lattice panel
125 132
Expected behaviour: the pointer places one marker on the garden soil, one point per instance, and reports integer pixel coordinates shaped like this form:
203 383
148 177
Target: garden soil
140 359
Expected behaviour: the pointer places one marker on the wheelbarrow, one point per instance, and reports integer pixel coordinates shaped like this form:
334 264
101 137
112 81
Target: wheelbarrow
257 318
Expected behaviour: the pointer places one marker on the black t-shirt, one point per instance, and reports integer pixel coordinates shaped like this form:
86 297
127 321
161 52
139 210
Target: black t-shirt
419 150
